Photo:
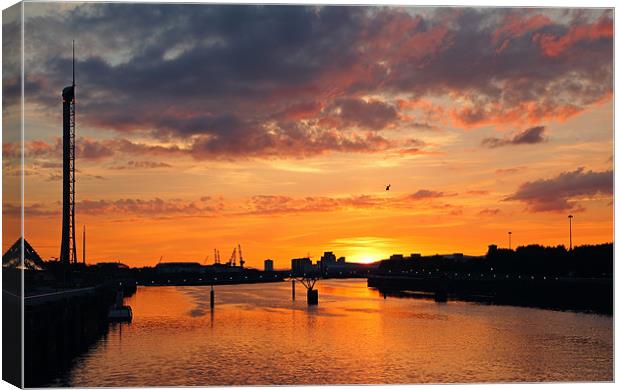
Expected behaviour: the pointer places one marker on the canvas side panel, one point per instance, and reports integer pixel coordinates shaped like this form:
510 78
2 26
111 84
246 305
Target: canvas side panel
12 176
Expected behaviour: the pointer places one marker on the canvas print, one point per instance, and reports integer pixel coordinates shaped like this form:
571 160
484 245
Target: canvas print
220 194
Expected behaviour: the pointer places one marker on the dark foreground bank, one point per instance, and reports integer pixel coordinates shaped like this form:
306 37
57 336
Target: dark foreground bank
562 293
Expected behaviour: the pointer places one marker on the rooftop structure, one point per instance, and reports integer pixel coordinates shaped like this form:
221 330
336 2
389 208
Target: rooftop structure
268 265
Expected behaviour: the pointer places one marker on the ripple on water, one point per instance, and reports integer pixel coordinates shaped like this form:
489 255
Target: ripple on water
257 336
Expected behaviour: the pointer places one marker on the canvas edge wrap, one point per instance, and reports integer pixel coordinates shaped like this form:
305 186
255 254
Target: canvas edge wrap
12 193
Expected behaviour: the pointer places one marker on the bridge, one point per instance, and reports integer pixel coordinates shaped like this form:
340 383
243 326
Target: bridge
308 280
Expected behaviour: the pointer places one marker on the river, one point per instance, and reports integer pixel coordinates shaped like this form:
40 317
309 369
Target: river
258 336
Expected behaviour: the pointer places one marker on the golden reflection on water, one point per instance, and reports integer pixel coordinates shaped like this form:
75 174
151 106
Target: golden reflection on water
258 335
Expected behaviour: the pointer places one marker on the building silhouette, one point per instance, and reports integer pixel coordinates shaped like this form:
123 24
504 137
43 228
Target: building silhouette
301 265
268 265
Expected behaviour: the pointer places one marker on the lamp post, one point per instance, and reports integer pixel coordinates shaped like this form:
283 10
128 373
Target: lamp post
510 240
570 232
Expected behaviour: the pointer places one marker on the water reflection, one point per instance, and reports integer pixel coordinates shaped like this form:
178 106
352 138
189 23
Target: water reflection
257 336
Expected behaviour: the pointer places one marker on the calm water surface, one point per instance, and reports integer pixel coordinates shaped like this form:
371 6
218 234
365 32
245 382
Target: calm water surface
257 335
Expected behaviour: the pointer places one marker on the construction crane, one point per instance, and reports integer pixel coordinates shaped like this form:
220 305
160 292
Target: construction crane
241 261
233 258
216 256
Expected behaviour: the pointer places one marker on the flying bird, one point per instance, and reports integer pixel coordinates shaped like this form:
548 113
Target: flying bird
388 187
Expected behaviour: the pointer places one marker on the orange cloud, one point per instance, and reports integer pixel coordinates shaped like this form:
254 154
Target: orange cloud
554 45
501 113
254 205
515 25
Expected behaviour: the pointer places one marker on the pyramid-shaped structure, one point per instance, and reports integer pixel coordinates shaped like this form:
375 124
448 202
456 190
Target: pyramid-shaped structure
32 260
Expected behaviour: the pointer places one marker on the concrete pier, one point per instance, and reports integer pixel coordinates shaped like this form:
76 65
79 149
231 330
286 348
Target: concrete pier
313 297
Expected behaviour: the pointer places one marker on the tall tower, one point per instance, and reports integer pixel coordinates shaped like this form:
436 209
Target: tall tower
84 244
67 246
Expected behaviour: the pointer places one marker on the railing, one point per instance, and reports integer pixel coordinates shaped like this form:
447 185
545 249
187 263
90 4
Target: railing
54 296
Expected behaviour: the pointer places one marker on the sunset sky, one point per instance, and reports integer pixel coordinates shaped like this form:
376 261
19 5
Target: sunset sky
279 127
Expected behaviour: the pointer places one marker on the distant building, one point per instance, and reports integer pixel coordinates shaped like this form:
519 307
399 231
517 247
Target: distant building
327 259
178 268
13 257
416 256
301 265
110 266
268 265
396 257
341 260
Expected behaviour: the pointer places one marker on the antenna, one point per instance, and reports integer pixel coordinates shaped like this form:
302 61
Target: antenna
84 245
73 64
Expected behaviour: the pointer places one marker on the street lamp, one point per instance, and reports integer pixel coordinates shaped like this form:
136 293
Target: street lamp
510 240
570 232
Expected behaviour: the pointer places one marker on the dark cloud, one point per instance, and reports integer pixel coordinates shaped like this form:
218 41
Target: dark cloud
533 135
294 141
416 143
146 207
235 81
554 45
477 192
141 165
41 149
57 176
91 150
85 148
561 192
255 205
426 194
374 115
274 204
31 210
291 141
509 171
422 125
489 212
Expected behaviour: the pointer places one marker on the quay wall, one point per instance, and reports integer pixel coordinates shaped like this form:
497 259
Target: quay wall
564 293
61 325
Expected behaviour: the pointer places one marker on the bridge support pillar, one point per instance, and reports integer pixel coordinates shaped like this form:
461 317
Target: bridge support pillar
212 301
313 297
293 288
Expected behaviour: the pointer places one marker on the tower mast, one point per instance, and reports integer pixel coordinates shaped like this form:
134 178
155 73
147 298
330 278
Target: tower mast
73 65
67 246
84 245
73 247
